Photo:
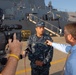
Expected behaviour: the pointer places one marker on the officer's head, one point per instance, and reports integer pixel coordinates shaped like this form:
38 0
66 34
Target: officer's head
40 28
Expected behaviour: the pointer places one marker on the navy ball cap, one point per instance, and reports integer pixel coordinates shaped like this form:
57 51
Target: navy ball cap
40 24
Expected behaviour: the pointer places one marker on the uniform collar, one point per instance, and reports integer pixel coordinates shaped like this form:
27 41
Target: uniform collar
39 37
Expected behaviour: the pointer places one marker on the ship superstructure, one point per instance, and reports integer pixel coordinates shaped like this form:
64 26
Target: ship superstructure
17 10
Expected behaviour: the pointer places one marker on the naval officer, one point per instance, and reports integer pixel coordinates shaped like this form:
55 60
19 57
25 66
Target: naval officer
40 54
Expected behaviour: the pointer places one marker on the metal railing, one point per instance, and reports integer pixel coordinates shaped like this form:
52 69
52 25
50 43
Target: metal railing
49 27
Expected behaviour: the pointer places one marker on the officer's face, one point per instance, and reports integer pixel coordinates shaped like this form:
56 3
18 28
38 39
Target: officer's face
40 30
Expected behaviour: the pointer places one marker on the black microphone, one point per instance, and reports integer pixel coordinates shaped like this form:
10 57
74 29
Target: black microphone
26 52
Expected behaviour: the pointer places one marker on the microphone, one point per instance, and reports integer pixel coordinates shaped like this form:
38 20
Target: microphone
26 52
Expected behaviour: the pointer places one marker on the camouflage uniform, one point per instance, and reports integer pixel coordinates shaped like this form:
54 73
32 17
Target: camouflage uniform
40 51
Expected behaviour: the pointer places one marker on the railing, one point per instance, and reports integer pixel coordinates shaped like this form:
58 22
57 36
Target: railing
49 27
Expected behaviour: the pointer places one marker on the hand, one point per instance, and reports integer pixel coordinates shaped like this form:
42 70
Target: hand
39 63
15 46
48 42
23 54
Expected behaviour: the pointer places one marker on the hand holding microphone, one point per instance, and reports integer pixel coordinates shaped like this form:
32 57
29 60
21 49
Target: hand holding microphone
48 42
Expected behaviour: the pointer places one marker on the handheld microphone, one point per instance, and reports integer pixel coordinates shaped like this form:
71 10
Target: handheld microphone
26 52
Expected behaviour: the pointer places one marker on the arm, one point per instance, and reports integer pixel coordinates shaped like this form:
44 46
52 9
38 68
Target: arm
61 47
30 53
10 67
15 48
49 56
31 56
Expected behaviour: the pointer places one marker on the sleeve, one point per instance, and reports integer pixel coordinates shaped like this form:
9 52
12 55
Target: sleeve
49 56
62 47
30 54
